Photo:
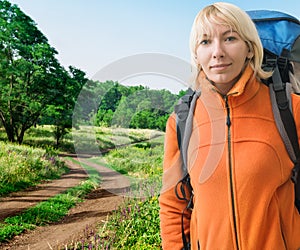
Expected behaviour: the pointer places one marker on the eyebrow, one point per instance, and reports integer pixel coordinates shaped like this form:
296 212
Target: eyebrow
224 33
229 31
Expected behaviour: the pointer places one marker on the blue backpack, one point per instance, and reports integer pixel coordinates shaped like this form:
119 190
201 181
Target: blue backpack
280 37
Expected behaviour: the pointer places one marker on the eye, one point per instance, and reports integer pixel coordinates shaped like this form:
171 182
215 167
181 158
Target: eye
230 38
204 42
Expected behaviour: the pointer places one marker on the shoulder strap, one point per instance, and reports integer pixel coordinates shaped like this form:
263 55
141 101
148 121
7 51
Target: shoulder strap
184 111
286 125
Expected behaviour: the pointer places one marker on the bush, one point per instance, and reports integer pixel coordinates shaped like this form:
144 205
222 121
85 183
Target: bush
24 166
135 225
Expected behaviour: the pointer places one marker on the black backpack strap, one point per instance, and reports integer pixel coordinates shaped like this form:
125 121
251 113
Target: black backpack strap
184 191
286 125
184 111
184 121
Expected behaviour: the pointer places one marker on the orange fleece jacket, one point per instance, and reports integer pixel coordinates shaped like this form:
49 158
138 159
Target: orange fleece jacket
240 172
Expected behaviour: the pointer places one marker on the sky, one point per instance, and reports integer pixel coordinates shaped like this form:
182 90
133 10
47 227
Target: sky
104 37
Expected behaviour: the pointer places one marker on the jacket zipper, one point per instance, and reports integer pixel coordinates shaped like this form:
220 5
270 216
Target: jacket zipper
228 123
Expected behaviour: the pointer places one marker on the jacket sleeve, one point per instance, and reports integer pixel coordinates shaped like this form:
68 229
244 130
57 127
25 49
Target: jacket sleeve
171 207
292 225
296 113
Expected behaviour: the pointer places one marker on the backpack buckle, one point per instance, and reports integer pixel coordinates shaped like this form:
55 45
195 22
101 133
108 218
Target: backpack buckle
270 63
282 63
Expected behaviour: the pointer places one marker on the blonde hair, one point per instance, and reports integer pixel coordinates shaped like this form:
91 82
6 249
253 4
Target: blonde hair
227 14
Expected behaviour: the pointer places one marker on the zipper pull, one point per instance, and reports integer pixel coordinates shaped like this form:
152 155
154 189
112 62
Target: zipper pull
228 121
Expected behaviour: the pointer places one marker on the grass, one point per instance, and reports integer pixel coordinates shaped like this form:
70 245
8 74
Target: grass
141 160
96 140
135 224
23 166
132 226
85 139
52 210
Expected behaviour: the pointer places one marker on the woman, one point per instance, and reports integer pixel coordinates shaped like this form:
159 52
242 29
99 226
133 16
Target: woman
238 165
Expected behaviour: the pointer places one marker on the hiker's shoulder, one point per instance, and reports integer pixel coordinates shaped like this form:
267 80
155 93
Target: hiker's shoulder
171 122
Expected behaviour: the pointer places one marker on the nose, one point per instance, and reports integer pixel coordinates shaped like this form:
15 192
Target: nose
218 50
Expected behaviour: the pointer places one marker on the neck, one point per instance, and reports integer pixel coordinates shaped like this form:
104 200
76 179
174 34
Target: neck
225 88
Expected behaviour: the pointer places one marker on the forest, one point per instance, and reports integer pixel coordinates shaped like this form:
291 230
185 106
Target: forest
37 90
39 99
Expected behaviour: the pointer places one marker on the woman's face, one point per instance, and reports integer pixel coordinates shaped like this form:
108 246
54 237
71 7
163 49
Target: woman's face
222 56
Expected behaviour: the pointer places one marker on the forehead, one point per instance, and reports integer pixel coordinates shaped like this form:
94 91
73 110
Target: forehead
217 29
208 25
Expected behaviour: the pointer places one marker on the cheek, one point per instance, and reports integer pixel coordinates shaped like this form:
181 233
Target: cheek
202 57
243 53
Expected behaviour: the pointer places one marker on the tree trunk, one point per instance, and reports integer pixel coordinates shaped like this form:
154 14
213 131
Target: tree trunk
10 133
20 137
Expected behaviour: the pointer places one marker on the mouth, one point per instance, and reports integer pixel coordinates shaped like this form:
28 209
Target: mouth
220 66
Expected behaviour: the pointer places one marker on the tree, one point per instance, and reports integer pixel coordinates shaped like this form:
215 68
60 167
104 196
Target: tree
145 108
31 77
109 102
151 118
60 112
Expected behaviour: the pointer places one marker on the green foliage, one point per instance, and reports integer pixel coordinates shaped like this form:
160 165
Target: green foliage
104 117
42 137
142 160
134 225
182 93
92 139
112 104
60 112
115 92
44 212
9 231
34 87
152 119
48 211
23 166
109 102
29 72
89 101
145 109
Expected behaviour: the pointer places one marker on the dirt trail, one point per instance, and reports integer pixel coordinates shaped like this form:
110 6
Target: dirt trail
88 214
19 201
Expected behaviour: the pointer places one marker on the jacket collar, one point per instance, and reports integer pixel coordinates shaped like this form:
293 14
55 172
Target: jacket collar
237 89
244 89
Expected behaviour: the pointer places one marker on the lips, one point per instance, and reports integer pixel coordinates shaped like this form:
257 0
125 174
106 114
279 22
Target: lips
220 66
